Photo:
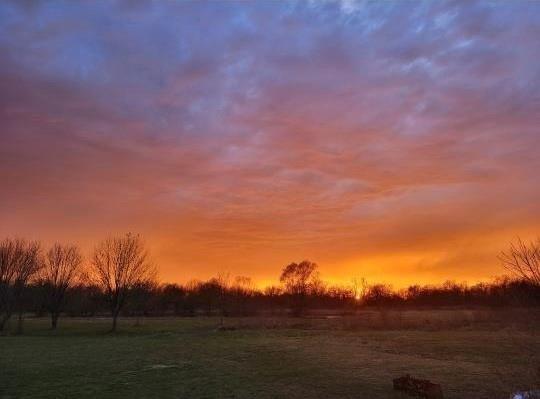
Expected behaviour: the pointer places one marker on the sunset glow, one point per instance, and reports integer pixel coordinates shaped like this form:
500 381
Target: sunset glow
392 141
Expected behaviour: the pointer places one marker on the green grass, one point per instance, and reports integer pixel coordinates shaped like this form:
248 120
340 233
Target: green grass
190 358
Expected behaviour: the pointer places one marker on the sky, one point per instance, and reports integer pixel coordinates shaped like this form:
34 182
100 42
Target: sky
396 141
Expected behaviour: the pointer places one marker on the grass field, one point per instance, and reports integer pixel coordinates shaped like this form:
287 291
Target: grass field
270 358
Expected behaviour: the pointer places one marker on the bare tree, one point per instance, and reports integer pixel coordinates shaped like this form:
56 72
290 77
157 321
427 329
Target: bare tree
19 262
523 260
298 279
61 269
119 264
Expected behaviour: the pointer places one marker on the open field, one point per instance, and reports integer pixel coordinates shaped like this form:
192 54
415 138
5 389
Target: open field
266 358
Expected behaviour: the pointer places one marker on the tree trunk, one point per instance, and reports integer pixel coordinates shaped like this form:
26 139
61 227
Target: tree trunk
54 320
114 320
3 320
20 323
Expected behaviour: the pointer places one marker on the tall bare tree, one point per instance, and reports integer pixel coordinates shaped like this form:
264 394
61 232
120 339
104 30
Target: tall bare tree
523 260
61 269
19 262
119 264
298 279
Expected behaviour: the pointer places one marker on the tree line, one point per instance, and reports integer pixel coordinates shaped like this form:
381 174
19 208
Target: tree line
117 266
118 278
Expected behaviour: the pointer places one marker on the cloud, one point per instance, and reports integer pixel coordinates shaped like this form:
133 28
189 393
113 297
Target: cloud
242 136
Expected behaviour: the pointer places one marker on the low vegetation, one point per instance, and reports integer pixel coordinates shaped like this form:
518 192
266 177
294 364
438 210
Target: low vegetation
265 357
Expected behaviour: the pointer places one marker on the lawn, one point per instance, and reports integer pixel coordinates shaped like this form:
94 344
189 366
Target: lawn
191 358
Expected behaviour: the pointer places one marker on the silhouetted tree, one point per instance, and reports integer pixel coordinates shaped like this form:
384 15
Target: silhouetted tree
241 292
523 260
118 265
173 298
140 298
85 300
208 295
380 295
19 262
61 268
298 279
272 297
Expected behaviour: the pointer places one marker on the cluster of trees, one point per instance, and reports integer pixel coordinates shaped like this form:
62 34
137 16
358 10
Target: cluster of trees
117 266
504 291
117 277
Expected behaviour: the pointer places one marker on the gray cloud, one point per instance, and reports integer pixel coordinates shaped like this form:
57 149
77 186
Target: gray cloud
289 126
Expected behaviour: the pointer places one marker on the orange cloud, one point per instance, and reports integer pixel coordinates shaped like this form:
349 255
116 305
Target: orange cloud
387 143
